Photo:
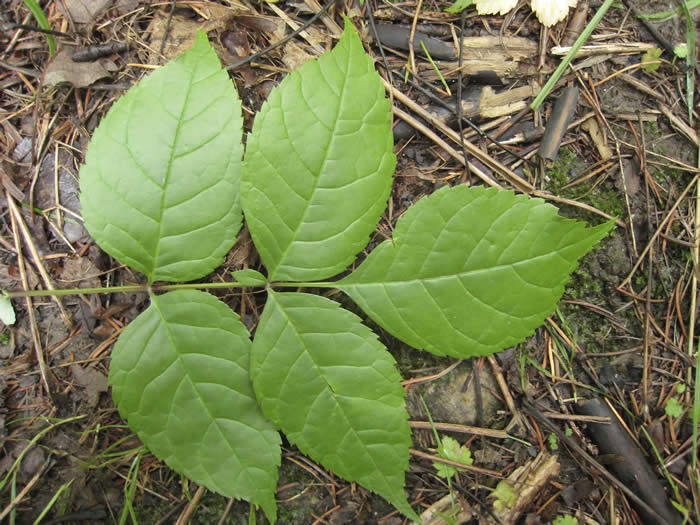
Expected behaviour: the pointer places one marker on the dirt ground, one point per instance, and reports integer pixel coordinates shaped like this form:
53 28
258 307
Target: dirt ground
623 333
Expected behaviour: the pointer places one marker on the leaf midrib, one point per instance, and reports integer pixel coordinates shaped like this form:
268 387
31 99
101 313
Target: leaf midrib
168 173
302 344
467 273
214 420
307 204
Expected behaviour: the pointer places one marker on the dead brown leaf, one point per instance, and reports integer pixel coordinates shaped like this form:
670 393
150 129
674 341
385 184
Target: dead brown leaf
93 381
83 11
63 70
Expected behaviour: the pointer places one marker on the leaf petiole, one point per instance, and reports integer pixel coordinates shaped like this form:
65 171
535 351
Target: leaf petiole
136 288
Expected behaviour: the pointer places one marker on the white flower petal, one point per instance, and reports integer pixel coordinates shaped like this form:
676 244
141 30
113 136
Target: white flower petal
491 7
549 12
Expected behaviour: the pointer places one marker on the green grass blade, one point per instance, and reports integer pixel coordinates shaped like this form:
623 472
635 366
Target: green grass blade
33 442
437 70
43 23
50 504
570 55
689 58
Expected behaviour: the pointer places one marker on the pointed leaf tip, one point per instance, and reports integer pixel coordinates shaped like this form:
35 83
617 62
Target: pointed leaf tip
192 404
470 271
331 386
159 187
319 164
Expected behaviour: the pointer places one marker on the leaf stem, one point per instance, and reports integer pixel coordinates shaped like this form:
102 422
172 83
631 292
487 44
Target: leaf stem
321 284
135 288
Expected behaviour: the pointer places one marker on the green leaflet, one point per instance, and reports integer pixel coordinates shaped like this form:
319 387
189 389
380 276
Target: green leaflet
470 271
7 313
319 165
249 277
331 386
179 374
159 188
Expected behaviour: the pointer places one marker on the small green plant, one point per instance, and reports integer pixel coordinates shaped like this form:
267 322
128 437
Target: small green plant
450 449
673 407
504 494
165 184
565 520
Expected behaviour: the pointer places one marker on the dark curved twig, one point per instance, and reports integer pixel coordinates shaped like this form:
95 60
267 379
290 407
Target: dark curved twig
284 40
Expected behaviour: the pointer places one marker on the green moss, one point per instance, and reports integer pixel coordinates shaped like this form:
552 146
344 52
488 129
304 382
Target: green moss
603 196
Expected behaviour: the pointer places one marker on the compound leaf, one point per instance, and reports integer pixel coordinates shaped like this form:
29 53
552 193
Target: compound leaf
324 379
319 164
180 376
470 271
159 188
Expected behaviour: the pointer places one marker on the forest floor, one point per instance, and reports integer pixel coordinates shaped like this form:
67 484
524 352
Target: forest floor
617 359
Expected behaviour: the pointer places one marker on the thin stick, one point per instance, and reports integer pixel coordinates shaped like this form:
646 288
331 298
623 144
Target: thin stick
512 177
691 328
35 256
462 429
444 145
191 507
282 41
23 492
570 55
411 37
658 230
30 308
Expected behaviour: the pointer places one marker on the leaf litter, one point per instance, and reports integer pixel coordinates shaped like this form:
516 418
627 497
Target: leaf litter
605 317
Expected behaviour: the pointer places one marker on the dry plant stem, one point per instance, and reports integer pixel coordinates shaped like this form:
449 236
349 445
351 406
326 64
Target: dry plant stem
227 511
647 338
512 177
534 412
498 373
334 28
659 229
437 140
30 308
625 48
295 27
186 515
19 222
680 126
408 383
691 335
411 36
23 492
462 429
528 482
478 470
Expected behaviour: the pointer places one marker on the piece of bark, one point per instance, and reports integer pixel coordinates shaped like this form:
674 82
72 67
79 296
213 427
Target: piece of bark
631 466
622 48
433 515
562 115
576 24
527 482
490 60
598 138
90 53
396 36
